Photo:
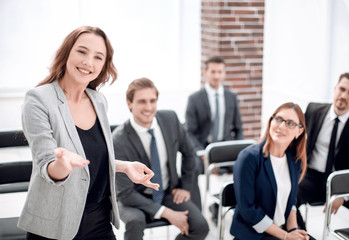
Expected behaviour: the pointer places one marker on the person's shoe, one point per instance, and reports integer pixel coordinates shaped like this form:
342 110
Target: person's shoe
214 210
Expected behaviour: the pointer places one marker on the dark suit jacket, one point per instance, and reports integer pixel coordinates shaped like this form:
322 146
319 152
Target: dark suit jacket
314 117
129 147
256 190
198 118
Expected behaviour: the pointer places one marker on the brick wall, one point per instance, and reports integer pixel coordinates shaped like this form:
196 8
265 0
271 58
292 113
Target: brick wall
234 31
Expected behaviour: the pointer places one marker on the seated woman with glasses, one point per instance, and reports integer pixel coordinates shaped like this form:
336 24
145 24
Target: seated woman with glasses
266 177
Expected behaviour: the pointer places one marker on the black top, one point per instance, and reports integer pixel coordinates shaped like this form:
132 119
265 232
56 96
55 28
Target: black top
95 222
96 152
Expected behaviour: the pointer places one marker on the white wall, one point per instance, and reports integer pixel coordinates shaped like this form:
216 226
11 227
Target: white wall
158 39
305 50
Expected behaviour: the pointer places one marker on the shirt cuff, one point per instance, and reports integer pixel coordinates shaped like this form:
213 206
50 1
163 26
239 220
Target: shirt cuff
346 198
159 212
200 153
263 225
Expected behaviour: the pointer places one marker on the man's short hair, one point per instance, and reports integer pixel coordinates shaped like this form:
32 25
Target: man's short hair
343 75
214 59
139 84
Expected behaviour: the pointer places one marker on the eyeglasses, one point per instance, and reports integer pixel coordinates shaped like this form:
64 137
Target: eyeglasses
288 123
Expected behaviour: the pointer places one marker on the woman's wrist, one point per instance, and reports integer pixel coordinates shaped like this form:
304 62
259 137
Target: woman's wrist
121 165
56 171
285 236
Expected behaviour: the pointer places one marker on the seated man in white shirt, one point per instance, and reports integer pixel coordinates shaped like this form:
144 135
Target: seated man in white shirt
135 140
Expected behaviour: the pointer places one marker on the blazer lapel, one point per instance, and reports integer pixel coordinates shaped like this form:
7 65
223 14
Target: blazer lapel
102 116
205 103
318 124
68 121
169 140
344 135
270 173
136 142
227 102
166 135
292 170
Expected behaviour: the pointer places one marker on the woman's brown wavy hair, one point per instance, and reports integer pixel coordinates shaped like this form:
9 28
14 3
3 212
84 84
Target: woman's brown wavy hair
58 67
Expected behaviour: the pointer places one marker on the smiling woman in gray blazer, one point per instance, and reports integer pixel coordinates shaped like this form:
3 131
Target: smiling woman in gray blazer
72 187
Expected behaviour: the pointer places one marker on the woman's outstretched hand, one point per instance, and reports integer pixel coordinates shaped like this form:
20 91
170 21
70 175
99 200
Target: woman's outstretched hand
64 163
70 159
140 174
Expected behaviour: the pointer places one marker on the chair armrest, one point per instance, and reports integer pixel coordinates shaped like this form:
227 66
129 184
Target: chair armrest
14 187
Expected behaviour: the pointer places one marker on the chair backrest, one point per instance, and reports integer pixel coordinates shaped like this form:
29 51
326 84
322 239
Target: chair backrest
337 186
15 176
228 195
12 139
227 150
338 182
16 138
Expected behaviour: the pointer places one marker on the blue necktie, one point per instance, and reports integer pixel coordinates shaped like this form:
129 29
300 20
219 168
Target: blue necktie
155 166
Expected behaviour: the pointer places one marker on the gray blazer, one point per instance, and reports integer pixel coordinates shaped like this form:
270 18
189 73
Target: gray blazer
198 118
54 209
128 146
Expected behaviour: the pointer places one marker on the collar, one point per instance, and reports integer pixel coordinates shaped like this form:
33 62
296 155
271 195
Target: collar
212 91
343 118
141 129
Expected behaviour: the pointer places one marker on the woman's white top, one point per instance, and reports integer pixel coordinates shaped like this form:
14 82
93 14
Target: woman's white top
283 182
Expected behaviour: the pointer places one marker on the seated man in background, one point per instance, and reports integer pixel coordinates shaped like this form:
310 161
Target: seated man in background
213 115
153 138
327 145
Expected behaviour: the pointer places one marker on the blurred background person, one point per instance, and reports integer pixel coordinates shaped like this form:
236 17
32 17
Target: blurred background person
213 115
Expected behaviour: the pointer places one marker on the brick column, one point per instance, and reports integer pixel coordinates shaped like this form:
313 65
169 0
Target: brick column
234 31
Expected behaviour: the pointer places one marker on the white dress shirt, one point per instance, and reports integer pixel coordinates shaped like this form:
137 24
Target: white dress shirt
283 182
145 138
211 93
320 152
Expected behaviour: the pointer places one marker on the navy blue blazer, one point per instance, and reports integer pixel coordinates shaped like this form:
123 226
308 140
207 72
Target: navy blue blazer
256 191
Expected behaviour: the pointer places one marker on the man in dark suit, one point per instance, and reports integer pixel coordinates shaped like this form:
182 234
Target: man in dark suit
202 108
213 115
327 124
135 140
